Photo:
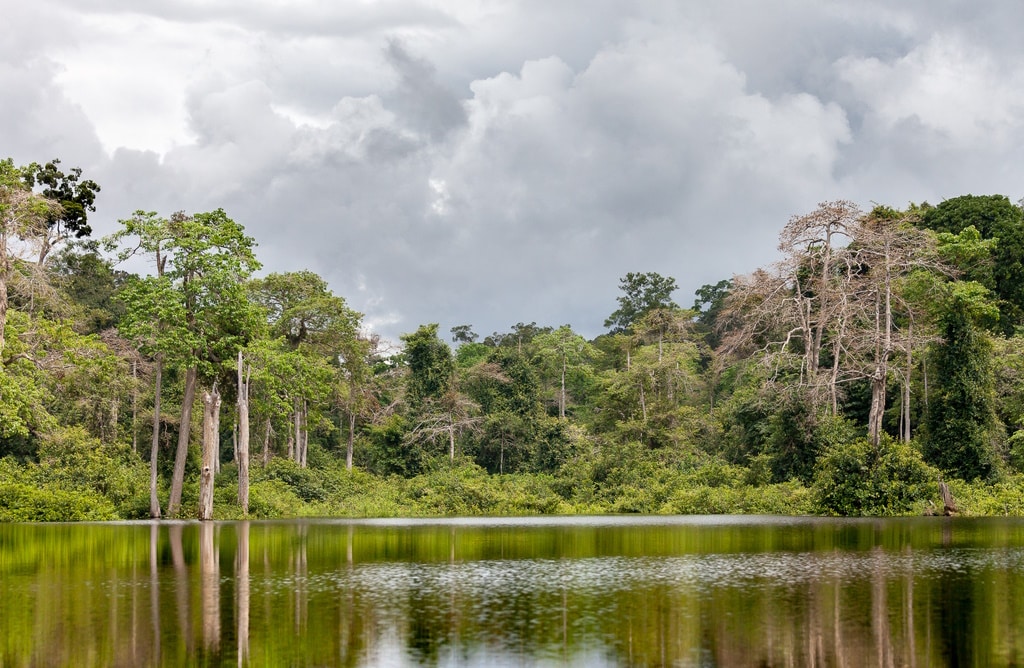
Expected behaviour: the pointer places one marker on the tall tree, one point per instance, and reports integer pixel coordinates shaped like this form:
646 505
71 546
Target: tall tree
643 292
887 249
203 263
153 317
24 217
441 409
75 196
564 357
317 323
961 410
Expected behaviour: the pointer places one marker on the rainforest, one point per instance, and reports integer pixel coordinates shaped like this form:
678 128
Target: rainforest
877 364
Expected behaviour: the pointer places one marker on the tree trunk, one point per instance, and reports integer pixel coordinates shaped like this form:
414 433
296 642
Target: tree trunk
5 276
305 433
135 408
948 503
154 449
243 438
561 396
295 443
211 429
266 444
906 386
181 454
351 438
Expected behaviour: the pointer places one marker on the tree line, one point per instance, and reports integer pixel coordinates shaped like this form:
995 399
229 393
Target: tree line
881 351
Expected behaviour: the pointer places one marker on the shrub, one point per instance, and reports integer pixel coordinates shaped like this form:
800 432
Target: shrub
273 498
858 479
305 483
26 503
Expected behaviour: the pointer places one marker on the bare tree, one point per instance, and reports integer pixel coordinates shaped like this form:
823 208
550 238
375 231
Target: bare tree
829 314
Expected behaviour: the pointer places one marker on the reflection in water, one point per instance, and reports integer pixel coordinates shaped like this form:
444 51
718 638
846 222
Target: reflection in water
242 585
691 591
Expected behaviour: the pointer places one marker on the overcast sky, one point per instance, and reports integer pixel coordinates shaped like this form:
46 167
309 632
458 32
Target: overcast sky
489 162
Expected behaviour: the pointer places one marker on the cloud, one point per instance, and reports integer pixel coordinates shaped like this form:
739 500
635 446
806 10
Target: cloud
464 162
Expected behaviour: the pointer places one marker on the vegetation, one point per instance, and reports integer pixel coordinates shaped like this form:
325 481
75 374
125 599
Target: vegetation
881 353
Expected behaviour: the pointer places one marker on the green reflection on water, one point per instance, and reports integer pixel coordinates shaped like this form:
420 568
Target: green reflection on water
582 591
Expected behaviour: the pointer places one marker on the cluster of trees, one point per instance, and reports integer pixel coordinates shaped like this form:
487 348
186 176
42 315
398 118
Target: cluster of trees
883 348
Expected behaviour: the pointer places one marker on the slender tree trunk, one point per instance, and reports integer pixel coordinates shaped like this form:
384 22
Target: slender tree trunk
883 346
451 439
211 429
266 444
5 276
643 401
135 407
304 435
243 437
181 454
295 443
351 438
906 384
154 449
561 397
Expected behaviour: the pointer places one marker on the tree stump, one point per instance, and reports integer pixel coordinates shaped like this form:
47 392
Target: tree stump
948 502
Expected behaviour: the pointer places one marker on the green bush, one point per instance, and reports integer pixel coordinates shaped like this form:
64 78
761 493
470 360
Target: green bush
26 503
273 498
858 479
1005 497
70 458
304 482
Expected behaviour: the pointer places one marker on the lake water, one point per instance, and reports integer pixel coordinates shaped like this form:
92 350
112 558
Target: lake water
597 591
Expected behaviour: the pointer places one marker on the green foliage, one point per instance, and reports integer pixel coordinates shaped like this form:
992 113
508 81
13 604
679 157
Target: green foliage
305 483
643 293
76 197
70 458
20 502
273 498
431 366
996 218
961 418
858 479
978 498
91 283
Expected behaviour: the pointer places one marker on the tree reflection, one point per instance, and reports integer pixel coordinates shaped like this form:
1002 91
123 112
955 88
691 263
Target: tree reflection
828 594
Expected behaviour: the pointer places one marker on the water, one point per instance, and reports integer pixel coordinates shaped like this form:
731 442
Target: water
604 591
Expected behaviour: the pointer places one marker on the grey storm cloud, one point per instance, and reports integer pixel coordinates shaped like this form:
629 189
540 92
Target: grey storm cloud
485 164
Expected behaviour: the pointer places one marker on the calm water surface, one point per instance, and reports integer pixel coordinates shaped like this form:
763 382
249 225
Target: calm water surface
655 591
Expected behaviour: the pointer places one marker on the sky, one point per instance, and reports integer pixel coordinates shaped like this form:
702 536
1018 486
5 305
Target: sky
492 162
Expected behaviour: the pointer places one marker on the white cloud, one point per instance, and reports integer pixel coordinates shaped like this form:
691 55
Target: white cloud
958 90
488 163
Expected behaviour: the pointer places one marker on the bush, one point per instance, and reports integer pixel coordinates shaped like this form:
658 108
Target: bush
69 458
858 479
26 503
305 483
273 498
1005 497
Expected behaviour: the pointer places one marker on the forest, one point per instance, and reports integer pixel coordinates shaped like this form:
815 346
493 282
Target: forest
881 355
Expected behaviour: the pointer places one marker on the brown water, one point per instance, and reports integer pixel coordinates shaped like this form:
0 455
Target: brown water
687 591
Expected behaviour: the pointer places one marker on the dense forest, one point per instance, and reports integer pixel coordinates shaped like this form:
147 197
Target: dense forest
883 353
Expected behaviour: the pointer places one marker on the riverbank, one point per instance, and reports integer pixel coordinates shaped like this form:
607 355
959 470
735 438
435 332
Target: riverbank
114 485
